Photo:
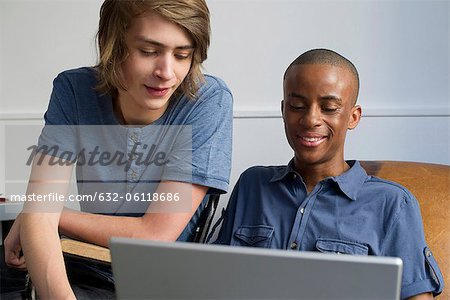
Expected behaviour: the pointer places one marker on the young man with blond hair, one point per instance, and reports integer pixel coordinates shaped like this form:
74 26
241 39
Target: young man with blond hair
147 90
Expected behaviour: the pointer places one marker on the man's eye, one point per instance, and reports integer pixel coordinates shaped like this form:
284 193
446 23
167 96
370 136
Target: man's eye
148 52
182 56
296 107
330 109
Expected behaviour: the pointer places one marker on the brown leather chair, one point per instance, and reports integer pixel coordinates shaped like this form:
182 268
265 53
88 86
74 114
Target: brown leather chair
430 184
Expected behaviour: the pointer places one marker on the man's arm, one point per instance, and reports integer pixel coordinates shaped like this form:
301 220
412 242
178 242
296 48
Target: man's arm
163 221
405 239
42 249
38 231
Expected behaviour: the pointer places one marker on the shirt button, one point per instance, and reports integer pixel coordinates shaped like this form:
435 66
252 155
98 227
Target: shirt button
428 253
294 246
302 210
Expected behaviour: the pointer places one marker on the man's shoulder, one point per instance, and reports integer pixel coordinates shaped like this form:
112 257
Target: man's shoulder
84 76
213 101
259 173
81 71
213 84
388 189
212 80
75 96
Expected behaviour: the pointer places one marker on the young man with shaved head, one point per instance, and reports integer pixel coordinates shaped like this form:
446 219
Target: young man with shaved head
319 201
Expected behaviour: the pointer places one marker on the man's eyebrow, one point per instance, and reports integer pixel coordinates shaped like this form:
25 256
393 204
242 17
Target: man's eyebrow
331 98
152 42
324 98
295 95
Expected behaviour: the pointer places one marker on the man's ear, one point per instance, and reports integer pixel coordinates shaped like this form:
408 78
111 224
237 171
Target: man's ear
282 107
355 117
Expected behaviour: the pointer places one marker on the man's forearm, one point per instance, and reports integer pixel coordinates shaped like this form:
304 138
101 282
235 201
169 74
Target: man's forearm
97 229
42 250
159 223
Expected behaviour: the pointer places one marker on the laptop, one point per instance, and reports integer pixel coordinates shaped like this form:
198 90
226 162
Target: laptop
159 270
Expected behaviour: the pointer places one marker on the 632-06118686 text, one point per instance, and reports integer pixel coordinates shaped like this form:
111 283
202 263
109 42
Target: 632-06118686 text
102 197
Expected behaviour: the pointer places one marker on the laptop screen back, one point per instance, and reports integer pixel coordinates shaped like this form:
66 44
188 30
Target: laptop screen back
156 270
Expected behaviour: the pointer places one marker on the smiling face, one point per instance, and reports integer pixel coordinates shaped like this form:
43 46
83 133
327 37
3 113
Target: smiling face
160 56
318 109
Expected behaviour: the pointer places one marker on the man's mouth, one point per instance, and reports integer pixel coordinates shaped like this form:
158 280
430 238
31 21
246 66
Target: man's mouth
314 139
157 91
310 141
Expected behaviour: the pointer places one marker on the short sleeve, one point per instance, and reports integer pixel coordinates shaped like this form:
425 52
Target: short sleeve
405 239
62 106
58 137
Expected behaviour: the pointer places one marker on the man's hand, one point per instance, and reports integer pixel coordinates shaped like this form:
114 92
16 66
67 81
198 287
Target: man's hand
13 247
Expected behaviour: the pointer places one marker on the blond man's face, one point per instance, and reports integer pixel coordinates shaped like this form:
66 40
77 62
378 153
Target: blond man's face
160 57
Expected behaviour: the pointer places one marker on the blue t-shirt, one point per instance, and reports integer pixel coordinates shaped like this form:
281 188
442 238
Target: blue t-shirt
352 213
191 141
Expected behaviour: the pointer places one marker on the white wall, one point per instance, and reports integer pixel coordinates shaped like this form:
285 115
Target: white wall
401 49
38 40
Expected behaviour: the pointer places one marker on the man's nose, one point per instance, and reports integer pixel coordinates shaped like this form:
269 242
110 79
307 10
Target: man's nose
312 117
164 67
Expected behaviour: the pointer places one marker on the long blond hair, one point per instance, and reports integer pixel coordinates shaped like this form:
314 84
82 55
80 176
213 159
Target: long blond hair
115 19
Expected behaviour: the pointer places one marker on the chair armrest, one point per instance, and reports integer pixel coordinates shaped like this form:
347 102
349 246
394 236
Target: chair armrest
85 250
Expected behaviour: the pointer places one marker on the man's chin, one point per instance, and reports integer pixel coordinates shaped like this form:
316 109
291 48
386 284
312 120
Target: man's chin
308 160
156 104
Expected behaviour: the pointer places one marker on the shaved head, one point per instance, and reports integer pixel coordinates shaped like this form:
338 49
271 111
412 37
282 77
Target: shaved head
327 57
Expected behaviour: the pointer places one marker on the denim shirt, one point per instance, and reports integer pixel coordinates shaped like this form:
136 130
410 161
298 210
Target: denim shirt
352 213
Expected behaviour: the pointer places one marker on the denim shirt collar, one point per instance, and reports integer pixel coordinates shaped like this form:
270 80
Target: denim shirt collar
283 171
349 182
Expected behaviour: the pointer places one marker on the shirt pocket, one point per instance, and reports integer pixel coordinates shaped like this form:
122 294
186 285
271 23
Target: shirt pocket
341 247
253 236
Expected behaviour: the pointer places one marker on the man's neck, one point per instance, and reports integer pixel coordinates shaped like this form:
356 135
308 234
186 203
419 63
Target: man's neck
314 173
128 113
